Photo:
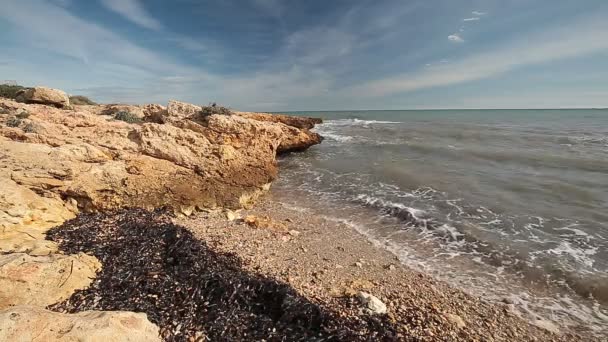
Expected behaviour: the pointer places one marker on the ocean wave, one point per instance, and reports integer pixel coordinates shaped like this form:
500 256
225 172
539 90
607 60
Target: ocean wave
336 137
355 122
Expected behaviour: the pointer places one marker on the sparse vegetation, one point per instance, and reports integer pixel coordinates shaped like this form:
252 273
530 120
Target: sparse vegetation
13 122
213 108
10 91
24 114
127 117
80 100
29 128
4 110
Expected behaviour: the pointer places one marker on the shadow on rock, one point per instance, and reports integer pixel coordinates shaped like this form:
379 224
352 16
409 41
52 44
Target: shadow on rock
193 292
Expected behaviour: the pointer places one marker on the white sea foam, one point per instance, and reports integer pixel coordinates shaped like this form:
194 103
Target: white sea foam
354 122
582 256
336 137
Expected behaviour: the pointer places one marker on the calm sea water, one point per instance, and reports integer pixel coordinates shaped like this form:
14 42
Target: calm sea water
511 205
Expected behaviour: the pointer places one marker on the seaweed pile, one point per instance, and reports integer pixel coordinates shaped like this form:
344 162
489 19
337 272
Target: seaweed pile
194 293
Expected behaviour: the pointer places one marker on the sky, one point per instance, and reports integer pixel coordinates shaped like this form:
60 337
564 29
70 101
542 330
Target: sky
296 55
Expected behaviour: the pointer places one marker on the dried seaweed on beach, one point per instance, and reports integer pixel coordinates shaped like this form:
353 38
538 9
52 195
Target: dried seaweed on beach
192 292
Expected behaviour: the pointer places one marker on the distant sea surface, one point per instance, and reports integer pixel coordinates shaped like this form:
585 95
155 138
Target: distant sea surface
510 205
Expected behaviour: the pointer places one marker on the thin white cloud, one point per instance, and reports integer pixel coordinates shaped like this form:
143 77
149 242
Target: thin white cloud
51 27
134 11
580 38
455 38
478 14
471 19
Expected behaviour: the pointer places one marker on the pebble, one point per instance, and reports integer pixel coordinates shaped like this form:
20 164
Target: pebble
358 264
231 215
456 320
372 304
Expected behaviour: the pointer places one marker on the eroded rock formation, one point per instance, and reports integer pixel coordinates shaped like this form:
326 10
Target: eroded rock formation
57 160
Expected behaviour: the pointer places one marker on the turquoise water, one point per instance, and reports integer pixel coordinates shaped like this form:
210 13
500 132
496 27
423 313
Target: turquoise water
508 204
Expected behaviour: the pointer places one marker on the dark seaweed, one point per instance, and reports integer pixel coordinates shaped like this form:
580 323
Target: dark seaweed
151 265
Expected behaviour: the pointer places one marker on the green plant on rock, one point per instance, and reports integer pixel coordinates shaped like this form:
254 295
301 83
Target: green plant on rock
213 108
13 122
127 117
4 110
10 91
24 114
29 128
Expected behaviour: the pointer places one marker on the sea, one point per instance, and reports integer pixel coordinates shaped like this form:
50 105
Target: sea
508 205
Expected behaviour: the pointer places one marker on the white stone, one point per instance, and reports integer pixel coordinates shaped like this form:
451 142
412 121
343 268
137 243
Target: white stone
372 304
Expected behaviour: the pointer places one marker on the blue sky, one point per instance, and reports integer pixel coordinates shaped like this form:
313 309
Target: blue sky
277 55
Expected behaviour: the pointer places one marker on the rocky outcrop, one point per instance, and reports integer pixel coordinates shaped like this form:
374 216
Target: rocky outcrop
293 121
44 95
43 280
113 109
296 130
55 163
29 323
179 111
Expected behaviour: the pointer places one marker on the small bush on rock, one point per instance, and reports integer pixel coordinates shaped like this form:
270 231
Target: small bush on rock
214 109
4 110
13 122
24 114
127 117
29 128
10 91
79 100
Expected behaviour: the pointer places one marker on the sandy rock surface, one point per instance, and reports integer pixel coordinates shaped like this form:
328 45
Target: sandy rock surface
43 280
56 161
29 323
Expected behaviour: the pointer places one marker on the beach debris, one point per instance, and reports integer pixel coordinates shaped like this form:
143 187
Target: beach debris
456 320
372 305
190 290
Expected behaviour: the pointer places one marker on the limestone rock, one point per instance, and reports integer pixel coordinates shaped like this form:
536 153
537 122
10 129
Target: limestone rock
294 121
372 304
26 240
295 139
47 96
83 158
23 209
456 320
43 280
296 130
177 111
27 323
154 112
112 109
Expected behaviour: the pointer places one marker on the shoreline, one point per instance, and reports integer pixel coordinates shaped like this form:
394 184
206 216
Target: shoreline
176 270
331 263
272 273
